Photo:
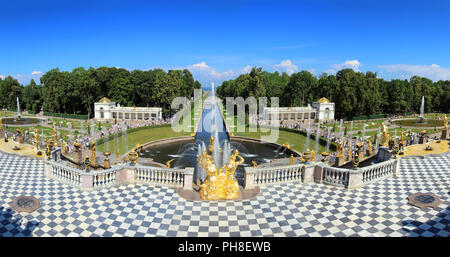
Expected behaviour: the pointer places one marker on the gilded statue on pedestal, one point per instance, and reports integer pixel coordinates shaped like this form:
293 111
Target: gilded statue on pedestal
384 136
219 184
369 145
92 160
445 121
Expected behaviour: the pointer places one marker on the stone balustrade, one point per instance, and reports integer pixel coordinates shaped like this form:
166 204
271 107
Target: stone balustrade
119 174
163 176
271 175
321 173
335 176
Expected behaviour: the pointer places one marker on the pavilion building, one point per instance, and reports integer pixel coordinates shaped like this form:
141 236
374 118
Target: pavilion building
107 109
321 110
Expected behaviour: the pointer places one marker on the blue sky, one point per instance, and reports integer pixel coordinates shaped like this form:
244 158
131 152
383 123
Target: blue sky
218 40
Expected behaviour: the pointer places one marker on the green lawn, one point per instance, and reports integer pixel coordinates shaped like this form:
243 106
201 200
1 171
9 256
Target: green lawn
126 142
296 141
64 133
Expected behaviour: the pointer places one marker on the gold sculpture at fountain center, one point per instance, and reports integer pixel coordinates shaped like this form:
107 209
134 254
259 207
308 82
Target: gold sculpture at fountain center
219 184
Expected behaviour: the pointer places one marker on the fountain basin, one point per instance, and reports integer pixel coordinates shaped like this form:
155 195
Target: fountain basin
419 123
21 122
184 151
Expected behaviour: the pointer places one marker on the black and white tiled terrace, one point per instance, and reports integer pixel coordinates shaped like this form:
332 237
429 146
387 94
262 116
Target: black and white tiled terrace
291 209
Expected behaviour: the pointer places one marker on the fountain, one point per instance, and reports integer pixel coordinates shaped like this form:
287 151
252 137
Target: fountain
308 133
327 149
187 152
18 120
422 109
317 139
421 121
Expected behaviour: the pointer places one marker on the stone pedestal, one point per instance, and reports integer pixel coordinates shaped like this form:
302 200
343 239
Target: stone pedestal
188 178
355 179
47 169
444 134
340 161
308 173
249 178
318 174
87 182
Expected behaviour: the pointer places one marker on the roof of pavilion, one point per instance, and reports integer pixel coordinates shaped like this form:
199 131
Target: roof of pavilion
105 100
324 100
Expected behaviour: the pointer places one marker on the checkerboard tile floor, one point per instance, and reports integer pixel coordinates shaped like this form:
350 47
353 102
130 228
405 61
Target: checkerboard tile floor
291 209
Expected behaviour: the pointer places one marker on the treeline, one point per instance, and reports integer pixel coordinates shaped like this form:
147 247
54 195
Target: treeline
76 92
354 93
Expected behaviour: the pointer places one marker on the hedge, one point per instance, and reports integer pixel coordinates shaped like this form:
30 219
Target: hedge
367 117
69 116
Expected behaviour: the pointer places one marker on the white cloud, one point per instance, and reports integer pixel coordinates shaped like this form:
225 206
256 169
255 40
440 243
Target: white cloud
246 69
36 73
286 66
352 64
433 71
2 76
209 71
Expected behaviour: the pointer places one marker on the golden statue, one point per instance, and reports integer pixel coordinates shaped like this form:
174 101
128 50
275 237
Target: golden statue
291 159
55 134
384 136
286 145
369 145
340 149
117 157
313 153
255 164
169 162
63 147
228 184
211 144
219 184
92 160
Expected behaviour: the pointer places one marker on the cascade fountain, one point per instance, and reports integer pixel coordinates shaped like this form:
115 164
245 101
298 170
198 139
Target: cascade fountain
308 133
327 149
317 140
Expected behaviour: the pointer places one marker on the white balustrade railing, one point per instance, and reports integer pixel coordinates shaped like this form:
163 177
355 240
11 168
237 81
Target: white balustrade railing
157 175
105 178
65 174
378 171
335 176
279 174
